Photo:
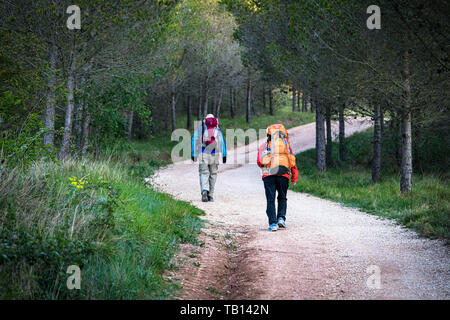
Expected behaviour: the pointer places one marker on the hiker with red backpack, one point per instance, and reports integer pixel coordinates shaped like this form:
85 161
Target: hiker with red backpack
277 163
207 143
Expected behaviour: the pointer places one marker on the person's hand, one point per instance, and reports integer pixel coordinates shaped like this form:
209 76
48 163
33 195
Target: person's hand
294 183
224 159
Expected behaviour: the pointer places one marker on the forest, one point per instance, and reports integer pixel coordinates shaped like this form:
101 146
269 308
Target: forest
86 113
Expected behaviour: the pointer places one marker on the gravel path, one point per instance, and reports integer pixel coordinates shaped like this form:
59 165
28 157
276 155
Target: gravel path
324 253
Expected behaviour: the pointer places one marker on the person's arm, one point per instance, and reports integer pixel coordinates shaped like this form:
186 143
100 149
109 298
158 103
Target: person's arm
224 147
194 144
294 177
294 171
258 159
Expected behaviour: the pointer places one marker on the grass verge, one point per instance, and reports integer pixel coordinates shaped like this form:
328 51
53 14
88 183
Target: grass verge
103 219
426 209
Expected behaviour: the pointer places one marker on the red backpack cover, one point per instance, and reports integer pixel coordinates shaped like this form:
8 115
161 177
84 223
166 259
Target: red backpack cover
209 132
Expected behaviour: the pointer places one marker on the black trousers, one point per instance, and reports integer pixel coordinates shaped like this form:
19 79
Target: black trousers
273 184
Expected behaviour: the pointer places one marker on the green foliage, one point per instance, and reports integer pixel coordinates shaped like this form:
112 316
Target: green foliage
151 227
46 225
25 146
19 82
111 103
20 106
97 214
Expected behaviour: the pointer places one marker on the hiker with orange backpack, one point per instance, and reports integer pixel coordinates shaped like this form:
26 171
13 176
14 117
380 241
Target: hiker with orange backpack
207 143
277 163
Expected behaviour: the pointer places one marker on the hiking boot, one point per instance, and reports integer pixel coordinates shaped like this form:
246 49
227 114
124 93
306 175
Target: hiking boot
205 196
210 199
281 223
273 227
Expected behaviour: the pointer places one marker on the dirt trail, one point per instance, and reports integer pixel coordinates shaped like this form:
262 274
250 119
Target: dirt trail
323 254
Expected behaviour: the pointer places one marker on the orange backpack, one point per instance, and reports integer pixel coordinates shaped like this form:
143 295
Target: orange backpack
277 157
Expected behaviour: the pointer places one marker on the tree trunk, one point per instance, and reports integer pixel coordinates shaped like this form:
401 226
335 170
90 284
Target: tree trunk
205 110
189 112
49 120
232 102
342 148
249 100
398 140
130 125
219 103
264 98
406 168
376 160
313 104
294 99
78 125
308 101
406 160
85 143
299 93
271 102
235 101
174 115
329 145
320 135
252 103
65 146
199 111
304 99
214 108
205 106
167 117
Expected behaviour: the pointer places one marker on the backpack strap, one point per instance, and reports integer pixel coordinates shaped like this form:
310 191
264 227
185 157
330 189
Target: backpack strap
286 142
